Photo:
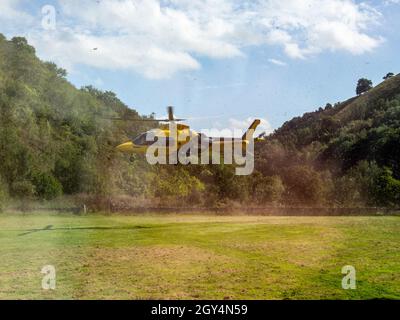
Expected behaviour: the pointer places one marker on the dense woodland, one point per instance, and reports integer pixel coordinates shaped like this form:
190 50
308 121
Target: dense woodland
57 142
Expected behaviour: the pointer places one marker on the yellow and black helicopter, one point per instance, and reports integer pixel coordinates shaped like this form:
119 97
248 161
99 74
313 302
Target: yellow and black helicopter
178 135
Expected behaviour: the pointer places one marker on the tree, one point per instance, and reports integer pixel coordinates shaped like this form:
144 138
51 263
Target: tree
386 189
24 191
3 193
22 44
388 76
303 184
363 85
267 189
47 187
56 70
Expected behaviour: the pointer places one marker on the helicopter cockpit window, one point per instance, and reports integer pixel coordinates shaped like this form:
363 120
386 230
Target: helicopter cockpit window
141 140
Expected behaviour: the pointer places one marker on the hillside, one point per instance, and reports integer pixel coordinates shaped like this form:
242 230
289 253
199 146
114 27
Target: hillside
324 123
358 139
362 128
54 138
57 140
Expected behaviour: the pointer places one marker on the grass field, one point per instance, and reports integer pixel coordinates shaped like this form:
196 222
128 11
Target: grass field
199 257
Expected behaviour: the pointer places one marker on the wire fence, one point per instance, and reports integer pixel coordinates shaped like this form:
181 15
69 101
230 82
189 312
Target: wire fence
262 211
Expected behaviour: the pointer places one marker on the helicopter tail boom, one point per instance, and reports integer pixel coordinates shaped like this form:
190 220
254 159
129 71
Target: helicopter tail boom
251 129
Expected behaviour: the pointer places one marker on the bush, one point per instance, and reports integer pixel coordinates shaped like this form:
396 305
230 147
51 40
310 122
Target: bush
386 189
304 185
47 187
178 183
23 189
268 189
3 194
369 184
348 191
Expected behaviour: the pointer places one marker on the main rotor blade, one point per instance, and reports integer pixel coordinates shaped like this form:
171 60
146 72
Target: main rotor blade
170 111
128 119
142 120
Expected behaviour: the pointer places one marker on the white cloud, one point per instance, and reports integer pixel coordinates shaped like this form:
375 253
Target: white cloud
278 62
307 27
241 125
158 38
12 18
237 127
9 9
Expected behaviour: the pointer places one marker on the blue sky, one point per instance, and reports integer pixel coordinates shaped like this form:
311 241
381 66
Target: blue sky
227 60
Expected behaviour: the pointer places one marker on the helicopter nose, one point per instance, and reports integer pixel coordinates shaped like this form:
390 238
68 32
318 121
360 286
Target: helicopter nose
126 147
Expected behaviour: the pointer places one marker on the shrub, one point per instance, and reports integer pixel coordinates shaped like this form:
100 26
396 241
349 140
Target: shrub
3 194
386 189
47 187
268 189
23 189
304 185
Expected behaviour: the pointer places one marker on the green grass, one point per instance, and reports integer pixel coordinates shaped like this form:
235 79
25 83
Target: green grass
199 257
